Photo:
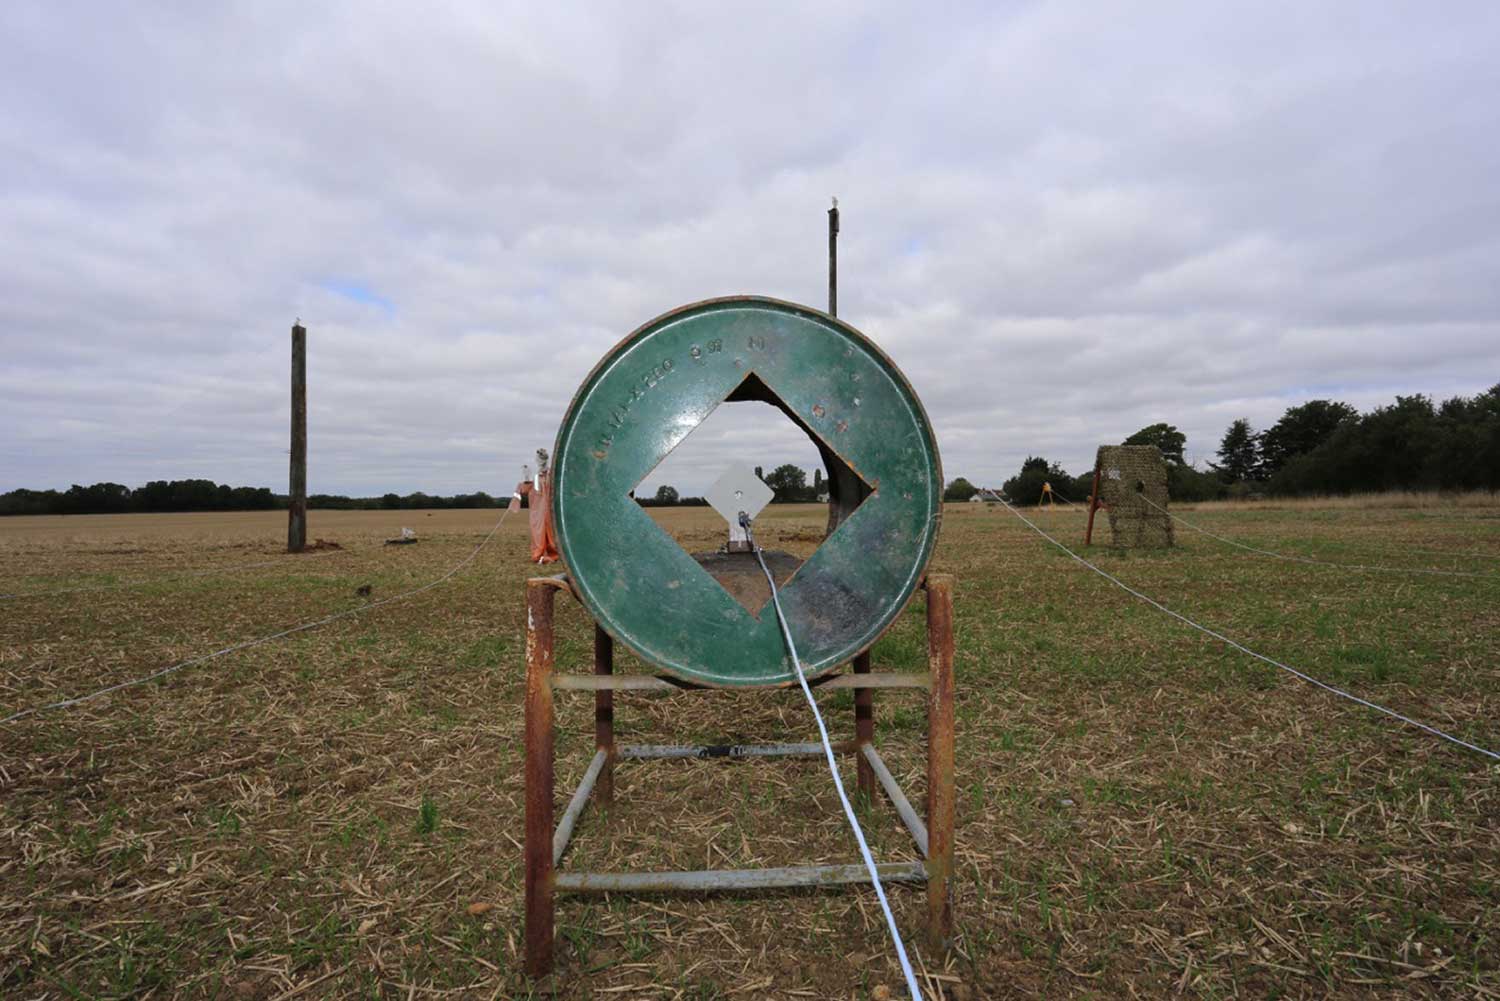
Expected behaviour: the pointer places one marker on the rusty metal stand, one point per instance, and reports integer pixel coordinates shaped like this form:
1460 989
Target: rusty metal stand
1094 504
545 844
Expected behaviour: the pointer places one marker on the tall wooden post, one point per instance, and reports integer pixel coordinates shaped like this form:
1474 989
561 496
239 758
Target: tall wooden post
940 800
833 259
539 887
296 521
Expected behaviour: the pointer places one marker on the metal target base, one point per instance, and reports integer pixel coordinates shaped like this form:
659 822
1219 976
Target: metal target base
545 845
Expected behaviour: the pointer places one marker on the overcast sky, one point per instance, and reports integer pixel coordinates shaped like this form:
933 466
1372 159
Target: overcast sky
1062 222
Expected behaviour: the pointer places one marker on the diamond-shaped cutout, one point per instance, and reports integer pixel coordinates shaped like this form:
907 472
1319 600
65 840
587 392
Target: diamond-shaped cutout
740 434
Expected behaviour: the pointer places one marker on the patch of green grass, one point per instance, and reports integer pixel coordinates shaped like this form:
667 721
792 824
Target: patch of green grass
582 937
1109 790
1429 928
427 816
1370 663
327 939
638 943
136 963
904 717
1011 740
487 652
225 822
698 989
903 647
86 838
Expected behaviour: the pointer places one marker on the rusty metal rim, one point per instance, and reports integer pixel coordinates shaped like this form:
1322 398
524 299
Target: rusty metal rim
746 298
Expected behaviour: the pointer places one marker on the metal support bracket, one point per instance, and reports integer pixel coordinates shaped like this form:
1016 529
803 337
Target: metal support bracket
546 846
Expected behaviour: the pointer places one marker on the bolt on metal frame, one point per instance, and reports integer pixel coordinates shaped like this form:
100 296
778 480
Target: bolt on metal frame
545 845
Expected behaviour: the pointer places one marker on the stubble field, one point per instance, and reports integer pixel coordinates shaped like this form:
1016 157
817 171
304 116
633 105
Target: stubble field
1141 810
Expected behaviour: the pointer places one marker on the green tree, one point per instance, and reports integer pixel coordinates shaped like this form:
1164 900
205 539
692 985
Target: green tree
1184 483
666 495
101 498
1300 430
960 490
789 484
1239 453
1468 454
1166 438
1025 488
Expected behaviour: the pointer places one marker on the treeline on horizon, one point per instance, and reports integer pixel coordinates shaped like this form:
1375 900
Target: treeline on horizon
1318 448
177 496
1322 447
788 485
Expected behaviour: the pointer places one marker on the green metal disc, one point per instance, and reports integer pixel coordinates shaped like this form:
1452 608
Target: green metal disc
650 392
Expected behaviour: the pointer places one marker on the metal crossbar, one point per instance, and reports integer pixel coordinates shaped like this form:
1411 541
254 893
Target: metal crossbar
646 683
736 879
726 878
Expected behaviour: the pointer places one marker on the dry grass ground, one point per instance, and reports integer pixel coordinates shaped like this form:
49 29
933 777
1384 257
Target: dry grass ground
1419 500
1141 811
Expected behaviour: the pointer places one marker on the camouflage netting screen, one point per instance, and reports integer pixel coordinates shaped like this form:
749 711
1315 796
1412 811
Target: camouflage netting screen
1129 476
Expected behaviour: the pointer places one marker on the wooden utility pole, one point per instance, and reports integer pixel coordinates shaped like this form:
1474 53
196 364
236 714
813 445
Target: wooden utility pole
833 259
296 522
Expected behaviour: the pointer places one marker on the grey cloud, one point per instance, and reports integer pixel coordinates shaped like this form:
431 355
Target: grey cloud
1063 223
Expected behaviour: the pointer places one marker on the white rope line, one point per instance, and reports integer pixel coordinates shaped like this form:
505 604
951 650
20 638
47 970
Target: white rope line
247 644
1246 650
833 769
1457 554
182 575
1308 559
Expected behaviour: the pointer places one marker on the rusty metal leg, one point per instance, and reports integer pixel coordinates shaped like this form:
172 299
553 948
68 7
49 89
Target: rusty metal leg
1088 533
939 760
604 718
539 751
864 725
